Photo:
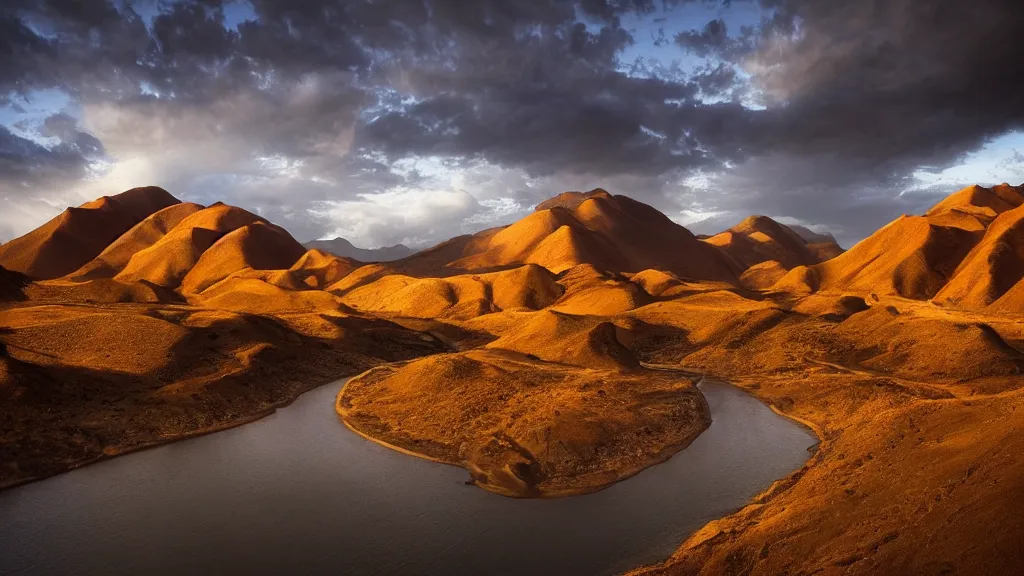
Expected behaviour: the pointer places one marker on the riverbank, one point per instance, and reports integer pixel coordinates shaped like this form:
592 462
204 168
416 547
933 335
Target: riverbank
917 471
85 383
522 427
266 498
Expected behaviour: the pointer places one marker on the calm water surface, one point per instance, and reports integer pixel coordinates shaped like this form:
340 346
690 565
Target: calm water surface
297 492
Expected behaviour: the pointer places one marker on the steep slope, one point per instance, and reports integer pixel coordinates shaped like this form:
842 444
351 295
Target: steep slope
992 268
116 256
911 257
260 246
915 256
999 199
344 249
77 235
759 239
172 257
319 269
166 262
613 233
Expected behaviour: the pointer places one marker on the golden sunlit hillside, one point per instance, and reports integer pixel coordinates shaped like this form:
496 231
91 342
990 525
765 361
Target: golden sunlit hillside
78 235
555 357
504 288
919 257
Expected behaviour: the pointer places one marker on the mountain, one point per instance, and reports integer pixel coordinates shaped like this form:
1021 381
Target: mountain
824 246
146 246
558 355
765 249
971 234
759 239
810 236
345 249
116 256
612 233
77 235
991 272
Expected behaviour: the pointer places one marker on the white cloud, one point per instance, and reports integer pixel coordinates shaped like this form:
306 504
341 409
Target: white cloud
409 216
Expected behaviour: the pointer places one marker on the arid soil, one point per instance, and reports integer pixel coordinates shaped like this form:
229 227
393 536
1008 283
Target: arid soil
136 319
82 382
920 412
525 427
549 358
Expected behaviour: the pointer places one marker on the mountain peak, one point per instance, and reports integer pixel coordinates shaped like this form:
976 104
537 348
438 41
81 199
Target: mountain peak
77 235
341 247
758 239
571 200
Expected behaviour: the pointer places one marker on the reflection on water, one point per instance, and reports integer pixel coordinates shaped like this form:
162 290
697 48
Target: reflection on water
297 492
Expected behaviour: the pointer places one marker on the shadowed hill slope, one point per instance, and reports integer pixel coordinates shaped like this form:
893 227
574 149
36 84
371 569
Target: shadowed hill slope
992 268
911 257
209 245
916 256
12 285
116 256
260 246
77 235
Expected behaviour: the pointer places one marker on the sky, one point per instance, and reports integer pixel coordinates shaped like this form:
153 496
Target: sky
412 121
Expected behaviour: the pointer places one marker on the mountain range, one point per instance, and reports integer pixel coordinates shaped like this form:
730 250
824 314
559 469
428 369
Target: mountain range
344 248
556 356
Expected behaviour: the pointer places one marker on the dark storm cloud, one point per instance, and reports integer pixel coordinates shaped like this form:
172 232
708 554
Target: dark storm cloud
859 96
308 101
545 99
27 163
925 81
713 39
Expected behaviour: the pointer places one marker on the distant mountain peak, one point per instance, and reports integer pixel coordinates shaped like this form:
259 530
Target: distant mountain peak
812 237
570 200
342 247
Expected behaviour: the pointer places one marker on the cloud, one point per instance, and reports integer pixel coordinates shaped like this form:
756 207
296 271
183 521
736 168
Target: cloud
410 119
399 216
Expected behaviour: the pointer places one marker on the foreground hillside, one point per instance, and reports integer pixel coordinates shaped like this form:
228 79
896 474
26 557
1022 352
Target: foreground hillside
554 356
163 332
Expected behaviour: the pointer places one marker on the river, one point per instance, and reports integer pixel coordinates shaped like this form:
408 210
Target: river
297 492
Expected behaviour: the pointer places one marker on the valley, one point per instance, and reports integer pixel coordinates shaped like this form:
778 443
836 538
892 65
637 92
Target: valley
558 356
